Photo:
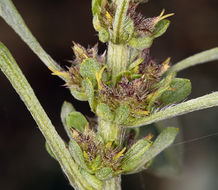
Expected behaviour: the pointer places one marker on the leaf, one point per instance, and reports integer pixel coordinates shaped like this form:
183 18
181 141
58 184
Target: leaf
203 57
119 20
103 111
163 86
89 89
104 35
169 162
179 90
134 156
77 120
127 31
200 103
96 7
89 68
47 147
77 154
121 114
78 94
65 110
95 182
135 63
160 28
166 138
141 42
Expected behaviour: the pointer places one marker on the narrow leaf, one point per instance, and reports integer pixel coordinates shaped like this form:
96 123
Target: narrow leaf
119 20
65 110
77 120
179 90
203 57
200 103
164 140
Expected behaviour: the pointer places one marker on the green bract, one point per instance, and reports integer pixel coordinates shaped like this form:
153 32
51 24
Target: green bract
76 120
89 68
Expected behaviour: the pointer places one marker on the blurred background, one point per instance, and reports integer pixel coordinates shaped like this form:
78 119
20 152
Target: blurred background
24 161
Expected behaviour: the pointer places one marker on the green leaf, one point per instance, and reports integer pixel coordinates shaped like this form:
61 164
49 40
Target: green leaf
200 103
89 89
127 31
135 63
77 154
164 140
96 23
78 94
121 114
103 111
160 28
203 57
141 42
163 86
134 156
119 20
47 147
89 68
180 89
169 162
96 7
77 120
95 182
65 110
104 173
104 35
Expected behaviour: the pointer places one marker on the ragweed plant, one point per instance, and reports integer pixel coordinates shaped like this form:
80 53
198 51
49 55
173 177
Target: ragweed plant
125 88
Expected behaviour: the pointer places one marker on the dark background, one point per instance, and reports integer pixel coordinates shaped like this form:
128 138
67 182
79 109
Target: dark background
24 163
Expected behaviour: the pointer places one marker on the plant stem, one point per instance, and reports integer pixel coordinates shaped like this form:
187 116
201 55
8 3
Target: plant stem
117 59
110 131
113 184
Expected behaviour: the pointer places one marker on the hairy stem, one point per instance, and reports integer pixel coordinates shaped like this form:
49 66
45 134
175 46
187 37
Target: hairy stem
110 131
113 184
117 59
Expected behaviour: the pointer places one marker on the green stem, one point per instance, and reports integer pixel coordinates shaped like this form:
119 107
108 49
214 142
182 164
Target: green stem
110 131
17 79
10 14
117 59
113 184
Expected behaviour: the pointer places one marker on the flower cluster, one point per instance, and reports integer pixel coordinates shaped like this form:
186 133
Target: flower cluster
121 85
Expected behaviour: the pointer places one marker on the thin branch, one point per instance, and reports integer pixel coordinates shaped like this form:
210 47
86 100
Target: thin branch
200 103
